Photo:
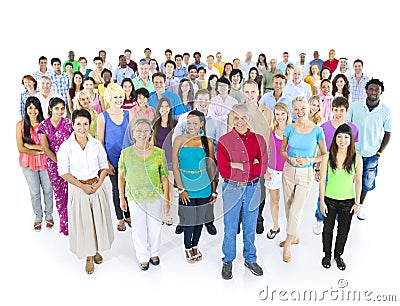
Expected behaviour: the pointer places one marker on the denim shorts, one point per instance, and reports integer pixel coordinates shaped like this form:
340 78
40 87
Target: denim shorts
370 171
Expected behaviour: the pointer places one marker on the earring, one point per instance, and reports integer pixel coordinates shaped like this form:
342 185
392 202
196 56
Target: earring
186 131
201 133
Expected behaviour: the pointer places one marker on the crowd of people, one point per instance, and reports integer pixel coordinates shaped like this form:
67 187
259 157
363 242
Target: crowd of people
180 129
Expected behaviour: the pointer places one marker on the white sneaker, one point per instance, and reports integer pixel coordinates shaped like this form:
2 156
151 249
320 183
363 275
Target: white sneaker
317 228
361 212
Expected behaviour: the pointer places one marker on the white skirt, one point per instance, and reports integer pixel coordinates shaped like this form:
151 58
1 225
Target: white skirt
89 221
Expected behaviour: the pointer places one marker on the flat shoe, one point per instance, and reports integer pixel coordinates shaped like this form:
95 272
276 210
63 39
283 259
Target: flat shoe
128 222
121 227
295 241
340 263
326 262
271 234
144 266
155 261
89 268
37 226
287 256
49 224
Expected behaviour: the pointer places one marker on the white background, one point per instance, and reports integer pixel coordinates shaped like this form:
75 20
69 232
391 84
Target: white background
38 267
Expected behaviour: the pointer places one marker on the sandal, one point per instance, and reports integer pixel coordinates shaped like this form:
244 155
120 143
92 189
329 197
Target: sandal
197 254
121 227
190 256
128 222
37 226
89 268
340 263
98 259
49 224
326 262
168 220
271 234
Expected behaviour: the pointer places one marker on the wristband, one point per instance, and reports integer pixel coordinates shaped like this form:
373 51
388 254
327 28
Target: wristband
379 153
214 194
181 190
317 170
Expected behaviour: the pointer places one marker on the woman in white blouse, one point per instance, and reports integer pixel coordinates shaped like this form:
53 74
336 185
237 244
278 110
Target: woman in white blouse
82 162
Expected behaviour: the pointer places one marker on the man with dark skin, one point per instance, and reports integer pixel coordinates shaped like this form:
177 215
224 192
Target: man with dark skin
373 119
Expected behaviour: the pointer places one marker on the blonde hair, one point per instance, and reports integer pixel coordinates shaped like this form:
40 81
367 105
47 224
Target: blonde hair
112 90
285 108
79 97
317 117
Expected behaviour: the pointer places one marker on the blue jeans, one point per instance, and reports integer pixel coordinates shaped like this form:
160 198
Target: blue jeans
35 179
370 171
235 198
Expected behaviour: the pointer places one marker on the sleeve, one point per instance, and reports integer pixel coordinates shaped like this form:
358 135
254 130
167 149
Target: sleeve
127 142
320 133
223 160
41 128
387 123
63 159
102 156
262 155
178 108
349 115
21 106
355 132
121 162
163 164
288 131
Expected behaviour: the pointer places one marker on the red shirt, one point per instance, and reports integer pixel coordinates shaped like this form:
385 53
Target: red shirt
235 147
331 65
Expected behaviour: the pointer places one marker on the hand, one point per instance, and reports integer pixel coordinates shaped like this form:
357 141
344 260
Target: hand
27 145
323 208
377 155
96 186
293 161
184 197
255 161
267 176
213 199
123 204
317 176
88 189
354 209
111 169
237 166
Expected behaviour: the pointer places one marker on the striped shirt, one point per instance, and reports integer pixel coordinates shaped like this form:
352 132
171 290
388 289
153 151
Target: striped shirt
357 90
60 84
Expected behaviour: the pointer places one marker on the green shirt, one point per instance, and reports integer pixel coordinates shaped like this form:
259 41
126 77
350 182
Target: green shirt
75 65
143 175
340 184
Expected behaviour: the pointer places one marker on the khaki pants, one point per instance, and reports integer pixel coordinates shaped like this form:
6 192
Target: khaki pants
296 184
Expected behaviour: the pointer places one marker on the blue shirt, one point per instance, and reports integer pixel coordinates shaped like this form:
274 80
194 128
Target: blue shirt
201 64
176 102
319 63
60 84
119 74
181 73
268 100
303 145
371 126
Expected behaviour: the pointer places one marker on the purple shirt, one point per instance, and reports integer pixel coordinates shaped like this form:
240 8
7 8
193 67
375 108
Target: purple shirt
275 160
329 131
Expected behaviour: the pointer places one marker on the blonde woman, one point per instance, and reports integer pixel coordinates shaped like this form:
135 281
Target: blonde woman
83 102
314 78
273 177
316 109
303 138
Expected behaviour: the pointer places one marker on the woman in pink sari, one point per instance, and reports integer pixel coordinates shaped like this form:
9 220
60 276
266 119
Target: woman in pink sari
53 132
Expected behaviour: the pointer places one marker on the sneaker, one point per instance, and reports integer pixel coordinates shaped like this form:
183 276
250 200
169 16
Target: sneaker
361 212
254 268
317 228
260 227
227 270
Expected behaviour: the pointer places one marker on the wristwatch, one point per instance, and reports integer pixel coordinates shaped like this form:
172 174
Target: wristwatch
181 190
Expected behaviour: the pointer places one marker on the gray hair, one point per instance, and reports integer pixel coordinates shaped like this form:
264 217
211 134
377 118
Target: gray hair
134 124
44 77
240 106
299 99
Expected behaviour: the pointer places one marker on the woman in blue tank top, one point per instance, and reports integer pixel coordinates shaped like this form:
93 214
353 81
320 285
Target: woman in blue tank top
194 171
111 127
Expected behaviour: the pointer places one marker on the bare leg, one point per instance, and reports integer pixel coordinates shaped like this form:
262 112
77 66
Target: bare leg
274 206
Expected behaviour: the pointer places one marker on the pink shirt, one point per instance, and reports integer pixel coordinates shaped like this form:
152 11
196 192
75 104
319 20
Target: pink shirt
34 162
137 112
326 106
276 161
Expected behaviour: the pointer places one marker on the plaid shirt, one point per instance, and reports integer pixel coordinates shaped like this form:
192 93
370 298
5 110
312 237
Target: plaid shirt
357 90
60 84
24 95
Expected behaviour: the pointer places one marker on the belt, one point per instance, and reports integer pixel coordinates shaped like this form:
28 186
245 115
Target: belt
89 181
269 88
249 183
193 171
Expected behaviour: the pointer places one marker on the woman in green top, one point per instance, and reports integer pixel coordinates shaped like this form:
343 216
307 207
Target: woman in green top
341 168
142 178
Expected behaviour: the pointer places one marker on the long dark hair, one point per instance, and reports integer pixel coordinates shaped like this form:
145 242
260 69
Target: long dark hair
157 121
350 159
53 102
72 89
204 139
346 89
27 121
132 95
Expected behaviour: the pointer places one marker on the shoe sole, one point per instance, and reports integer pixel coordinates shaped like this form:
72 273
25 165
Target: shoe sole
255 273
227 278
360 218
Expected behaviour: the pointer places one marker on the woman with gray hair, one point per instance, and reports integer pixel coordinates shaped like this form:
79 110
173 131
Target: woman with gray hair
142 177
303 138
